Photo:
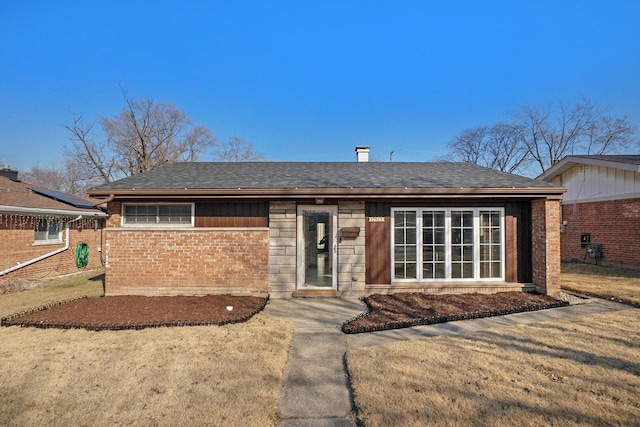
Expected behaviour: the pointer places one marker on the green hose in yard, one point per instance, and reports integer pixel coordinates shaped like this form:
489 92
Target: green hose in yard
82 255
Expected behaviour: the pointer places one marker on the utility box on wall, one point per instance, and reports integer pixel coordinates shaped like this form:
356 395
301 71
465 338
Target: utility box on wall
585 239
594 250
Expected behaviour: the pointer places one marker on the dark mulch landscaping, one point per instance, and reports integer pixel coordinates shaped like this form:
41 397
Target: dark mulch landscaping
138 312
385 311
403 310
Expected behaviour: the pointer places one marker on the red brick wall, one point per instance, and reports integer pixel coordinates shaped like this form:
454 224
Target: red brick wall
545 242
187 261
614 223
17 246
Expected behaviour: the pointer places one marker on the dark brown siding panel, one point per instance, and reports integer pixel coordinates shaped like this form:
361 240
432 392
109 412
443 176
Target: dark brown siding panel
511 246
518 242
525 272
232 214
377 209
378 243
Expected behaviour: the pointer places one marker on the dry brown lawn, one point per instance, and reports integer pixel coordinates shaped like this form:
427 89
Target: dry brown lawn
621 284
205 375
52 290
579 372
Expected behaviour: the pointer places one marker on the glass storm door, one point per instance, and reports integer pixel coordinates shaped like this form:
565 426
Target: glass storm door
317 247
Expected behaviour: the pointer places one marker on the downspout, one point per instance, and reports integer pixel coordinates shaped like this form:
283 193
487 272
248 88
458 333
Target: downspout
103 201
41 257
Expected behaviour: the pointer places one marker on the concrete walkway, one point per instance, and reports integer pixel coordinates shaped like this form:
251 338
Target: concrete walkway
588 306
316 390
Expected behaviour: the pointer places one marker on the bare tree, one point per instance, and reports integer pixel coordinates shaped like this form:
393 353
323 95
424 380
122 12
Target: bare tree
583 128
539 137
498 147
469 146
144 135
147 134
72 178
505 150
609 134
86 152
237 149
50 177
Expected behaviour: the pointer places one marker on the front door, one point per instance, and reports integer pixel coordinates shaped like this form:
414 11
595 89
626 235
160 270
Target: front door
317 247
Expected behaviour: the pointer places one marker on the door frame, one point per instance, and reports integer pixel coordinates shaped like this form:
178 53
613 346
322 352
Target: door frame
300 245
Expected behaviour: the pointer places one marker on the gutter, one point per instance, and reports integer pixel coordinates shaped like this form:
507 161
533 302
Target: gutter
41 257
355 193
18 209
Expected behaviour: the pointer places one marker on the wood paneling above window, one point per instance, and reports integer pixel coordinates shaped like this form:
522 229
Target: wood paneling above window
232 214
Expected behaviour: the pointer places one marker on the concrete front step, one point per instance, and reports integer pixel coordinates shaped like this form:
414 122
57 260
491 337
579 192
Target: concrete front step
316 293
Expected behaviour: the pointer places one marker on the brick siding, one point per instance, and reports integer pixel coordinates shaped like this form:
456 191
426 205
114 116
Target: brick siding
189 261
613 223
17 246
545 241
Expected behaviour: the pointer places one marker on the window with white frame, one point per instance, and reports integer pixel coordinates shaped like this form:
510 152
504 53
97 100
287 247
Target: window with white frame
47 230
171 214
447 244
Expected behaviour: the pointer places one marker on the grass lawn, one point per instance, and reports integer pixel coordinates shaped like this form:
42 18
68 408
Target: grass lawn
52 290
583 371
206 375
621 284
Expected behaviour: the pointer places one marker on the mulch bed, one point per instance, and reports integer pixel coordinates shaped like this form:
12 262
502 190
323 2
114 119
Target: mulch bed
403 310
138 312
385 311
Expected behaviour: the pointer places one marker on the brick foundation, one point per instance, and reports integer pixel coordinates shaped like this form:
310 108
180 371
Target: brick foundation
613 223
545 239
187 261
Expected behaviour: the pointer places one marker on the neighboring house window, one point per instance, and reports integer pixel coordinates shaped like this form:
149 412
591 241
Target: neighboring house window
448 244
158 214
47 230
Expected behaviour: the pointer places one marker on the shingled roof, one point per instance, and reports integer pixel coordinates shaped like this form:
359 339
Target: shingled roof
336 177
20 197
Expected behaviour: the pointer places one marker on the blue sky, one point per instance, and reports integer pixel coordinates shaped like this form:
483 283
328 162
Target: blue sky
306 80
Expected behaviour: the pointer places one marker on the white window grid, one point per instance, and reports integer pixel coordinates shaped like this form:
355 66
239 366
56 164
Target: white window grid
157 218
448 244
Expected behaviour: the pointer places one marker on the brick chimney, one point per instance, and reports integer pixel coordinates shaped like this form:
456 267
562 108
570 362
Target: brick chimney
8 173
362 153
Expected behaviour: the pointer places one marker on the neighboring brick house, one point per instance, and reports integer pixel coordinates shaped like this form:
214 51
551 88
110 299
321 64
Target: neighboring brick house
330 229
40 230
602 206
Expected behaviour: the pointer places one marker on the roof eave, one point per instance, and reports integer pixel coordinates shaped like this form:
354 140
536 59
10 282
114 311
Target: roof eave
570 161
46 211
353 193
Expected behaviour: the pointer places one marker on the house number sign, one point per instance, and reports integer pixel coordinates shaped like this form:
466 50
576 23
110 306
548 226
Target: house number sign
376 219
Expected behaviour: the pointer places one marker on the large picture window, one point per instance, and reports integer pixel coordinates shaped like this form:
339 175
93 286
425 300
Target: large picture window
173 214
448 244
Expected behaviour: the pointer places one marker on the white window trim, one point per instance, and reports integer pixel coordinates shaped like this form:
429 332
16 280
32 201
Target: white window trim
447 222
156 225
41 242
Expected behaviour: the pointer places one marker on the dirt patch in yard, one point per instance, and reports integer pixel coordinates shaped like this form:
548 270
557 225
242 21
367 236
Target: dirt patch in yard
138 312
403 310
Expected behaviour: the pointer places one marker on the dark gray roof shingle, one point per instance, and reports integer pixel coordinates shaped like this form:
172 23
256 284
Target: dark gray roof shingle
631 159
320 175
